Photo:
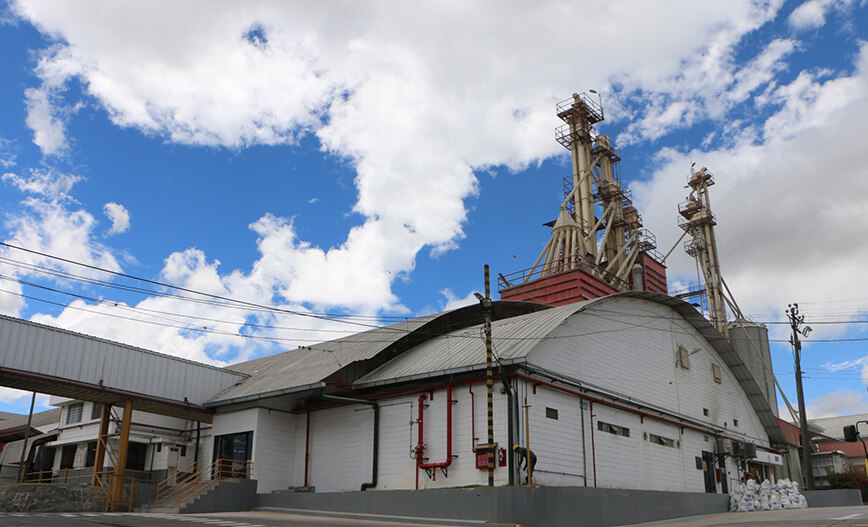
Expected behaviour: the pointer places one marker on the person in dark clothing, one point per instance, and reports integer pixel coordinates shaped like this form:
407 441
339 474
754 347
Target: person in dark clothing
523 455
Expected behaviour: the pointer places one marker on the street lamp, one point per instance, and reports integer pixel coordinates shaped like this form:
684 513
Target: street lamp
851 435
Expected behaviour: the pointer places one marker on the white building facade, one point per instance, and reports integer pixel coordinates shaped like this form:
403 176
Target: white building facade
631 391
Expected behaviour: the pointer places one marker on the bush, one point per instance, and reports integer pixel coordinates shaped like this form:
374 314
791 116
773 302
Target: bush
850 480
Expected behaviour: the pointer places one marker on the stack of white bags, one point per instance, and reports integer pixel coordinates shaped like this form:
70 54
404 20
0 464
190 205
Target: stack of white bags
767 496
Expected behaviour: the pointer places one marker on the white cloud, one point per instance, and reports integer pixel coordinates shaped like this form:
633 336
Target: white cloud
837 403
454 302
812 13
119 216
409 95
47 223
789 208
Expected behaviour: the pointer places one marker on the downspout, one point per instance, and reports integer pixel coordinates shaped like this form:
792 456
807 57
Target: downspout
307 449
198 436
584 449
593 450
375 460
509 424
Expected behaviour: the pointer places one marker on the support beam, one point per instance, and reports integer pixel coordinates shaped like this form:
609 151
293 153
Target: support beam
123 449
101 443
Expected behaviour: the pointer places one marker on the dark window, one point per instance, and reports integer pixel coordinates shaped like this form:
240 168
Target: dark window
73 413
91 454
183 450
613 429
234 450
159 447
705 412
735 422
96 411
136 456
551 413
660 440
67 456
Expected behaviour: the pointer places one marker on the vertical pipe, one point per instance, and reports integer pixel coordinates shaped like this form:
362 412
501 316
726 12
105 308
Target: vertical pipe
584 450
99 458
307 450
527 442
22 469
489 379
198 438
473 437
593 449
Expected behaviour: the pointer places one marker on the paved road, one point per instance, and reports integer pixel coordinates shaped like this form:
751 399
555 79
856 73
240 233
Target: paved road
225 519
819 517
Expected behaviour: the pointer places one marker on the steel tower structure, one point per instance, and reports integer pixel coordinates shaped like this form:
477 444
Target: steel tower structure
598 234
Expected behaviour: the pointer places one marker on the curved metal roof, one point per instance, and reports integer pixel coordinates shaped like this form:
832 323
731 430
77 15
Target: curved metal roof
309 366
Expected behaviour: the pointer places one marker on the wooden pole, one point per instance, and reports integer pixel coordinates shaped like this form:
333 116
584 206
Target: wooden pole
102 437
489 378
118 484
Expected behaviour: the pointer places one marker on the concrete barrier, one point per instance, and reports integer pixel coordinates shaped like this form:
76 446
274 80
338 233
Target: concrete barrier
833 497
530 507
36 497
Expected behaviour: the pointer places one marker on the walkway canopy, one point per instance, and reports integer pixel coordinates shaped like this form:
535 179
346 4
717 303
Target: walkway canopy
40 358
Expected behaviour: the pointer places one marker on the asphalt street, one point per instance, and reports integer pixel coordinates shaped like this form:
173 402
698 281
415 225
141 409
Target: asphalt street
819 517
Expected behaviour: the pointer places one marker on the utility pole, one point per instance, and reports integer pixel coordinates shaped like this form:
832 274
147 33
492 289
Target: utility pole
489 377
796 320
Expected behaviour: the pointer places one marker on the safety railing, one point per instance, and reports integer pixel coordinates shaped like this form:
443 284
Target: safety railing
69 476
170 486
119 499
189 483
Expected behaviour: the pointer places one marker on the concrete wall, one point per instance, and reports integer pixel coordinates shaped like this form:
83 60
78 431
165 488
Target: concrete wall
833 498
228 496
51 498
531 507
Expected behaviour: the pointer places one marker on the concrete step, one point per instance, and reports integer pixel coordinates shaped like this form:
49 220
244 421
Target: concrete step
387 518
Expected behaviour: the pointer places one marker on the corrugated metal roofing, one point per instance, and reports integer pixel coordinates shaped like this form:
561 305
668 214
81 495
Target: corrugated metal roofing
50 360
309 365
514 337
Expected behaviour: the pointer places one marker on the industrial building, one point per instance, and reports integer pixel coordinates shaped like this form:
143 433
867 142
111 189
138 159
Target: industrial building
609 381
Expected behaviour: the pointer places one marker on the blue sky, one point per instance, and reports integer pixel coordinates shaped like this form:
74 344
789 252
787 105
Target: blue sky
371 163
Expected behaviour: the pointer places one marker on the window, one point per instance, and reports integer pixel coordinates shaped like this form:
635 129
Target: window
660 440
159 447
91 454
552 413
136 456
234 450
715 373
96 411
705 412
613 429
683 358
67 456
735 422
183 450
73 413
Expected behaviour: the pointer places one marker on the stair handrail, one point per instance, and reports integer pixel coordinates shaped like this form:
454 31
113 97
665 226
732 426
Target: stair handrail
219 470
170 485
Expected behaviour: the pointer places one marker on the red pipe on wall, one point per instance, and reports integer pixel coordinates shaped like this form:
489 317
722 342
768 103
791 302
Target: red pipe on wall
431 468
